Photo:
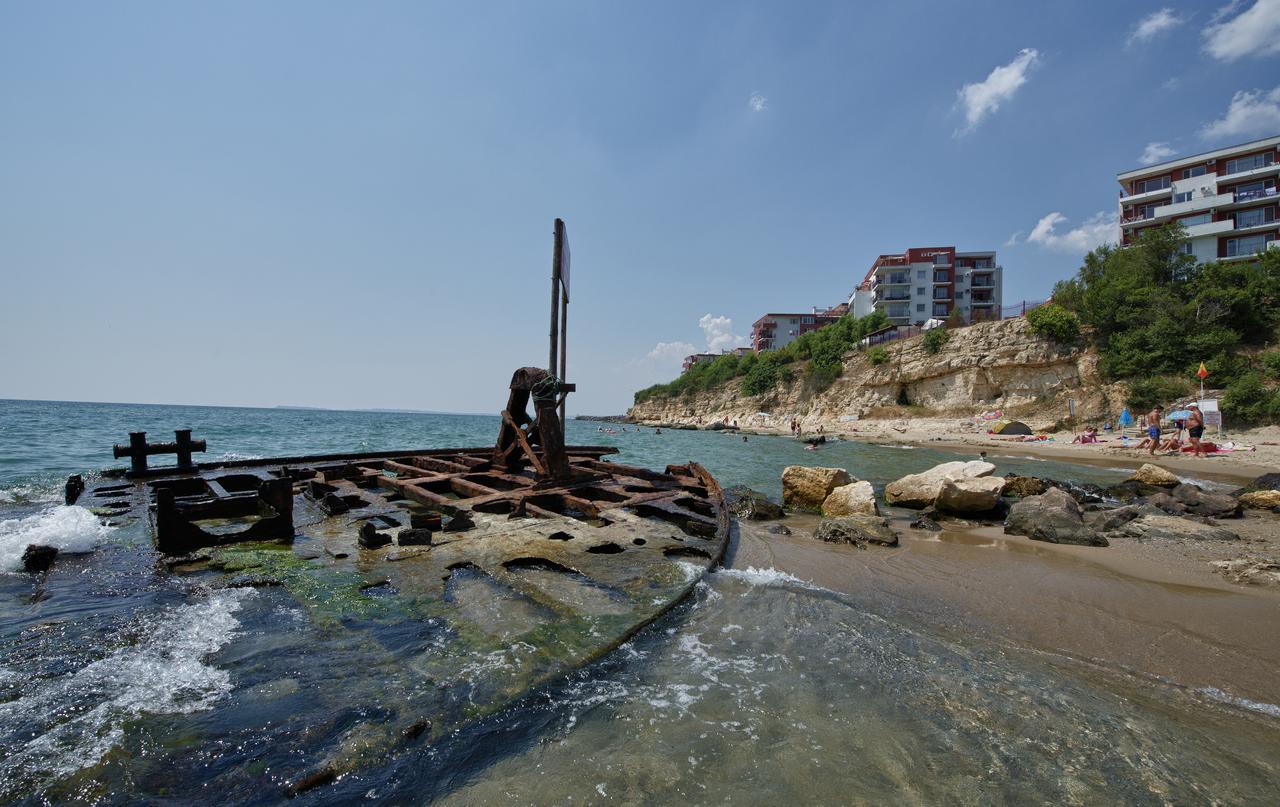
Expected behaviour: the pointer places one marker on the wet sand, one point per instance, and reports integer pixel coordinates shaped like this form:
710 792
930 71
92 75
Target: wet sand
1128 608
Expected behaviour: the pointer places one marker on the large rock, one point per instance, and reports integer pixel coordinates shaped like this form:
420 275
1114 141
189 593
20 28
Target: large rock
922 490
1269 481
1187 498
752 504
1155 476
980 495
803 486
854 499
857 530
1114 519
1053 516
1172 528
1021 486
38 557
1261 499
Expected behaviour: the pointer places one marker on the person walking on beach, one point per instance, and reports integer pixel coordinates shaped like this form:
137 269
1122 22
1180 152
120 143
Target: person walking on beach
1153 428
1195 429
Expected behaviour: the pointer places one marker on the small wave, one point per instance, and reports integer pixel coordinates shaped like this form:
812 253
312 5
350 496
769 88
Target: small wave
62 725
1218 695
70 529
232 456
29 494
767 577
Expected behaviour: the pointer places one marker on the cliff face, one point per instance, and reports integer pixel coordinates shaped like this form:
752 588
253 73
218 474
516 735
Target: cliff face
995 365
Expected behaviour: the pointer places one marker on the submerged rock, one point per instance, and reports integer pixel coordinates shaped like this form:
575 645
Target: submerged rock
779 529
1155 476
804 486
922 489
38 558
979 495
857 530
1172 528
857 498
1055 517
752 504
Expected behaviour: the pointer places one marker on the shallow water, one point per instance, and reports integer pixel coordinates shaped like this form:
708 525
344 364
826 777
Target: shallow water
119 683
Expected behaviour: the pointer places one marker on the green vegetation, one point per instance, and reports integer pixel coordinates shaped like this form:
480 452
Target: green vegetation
823 351
1145 393
1271 362
877 356
1054 322
1152 311
934 339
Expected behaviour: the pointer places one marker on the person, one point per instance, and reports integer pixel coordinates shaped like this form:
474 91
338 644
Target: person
1195 430
744 438
657 431
1174 443
1090 436
1153 429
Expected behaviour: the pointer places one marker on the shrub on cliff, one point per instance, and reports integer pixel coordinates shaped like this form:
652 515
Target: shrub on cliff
877 356
934 339
1271 363
1054 322
1248 400
763 376
1145 393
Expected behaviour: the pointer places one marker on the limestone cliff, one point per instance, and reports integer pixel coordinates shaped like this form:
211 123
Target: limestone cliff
994 365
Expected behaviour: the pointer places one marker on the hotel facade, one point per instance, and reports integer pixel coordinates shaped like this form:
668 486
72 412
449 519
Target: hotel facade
1225 199
927 283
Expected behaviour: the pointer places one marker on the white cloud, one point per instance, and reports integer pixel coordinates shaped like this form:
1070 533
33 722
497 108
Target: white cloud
1171 84
1013 239
1155 152
1254 32
1250 112
1097 230
757 102
671 352
719 333
984 97
1154 24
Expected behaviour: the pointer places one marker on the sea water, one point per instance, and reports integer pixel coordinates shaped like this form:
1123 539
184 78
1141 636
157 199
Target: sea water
120 683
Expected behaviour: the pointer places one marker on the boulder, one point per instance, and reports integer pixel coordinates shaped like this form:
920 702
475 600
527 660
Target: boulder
370 538
1108 520
414 536
752 504
1022 486
803 486
1053 516
979 495
922 489
1172 528
779 529
1261 499
1269 481
460 523
924 522
853 499
1249 571
1155 476
38 557
1191 499
857 530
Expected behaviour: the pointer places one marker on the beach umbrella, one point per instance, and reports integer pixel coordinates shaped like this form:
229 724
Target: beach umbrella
1125 418
1181 414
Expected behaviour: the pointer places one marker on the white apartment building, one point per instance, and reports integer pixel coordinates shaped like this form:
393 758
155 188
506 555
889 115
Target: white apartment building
1225 199
927 283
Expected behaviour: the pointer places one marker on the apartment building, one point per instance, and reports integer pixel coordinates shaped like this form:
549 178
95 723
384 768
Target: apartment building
1225 199
773 331
927 283
699 358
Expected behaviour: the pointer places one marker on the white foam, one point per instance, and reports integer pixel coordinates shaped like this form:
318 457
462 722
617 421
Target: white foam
28 494
1226 697
63 724
70 529
767 577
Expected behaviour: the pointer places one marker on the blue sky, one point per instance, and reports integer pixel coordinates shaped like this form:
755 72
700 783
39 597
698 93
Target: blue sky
350 205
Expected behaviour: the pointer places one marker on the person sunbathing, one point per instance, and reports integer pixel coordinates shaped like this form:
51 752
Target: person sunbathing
1090 436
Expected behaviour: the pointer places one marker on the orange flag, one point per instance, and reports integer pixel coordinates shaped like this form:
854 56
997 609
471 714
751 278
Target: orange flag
1202 373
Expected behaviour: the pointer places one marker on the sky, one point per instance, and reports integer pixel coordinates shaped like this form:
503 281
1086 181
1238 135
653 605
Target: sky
351 205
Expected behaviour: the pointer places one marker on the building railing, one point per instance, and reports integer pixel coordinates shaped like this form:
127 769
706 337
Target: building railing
982 284
1261 193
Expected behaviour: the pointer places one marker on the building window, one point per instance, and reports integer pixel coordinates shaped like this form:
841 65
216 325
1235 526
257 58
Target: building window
1247 246
1191 221
940 310
1255 217
1197 171
1250 163
959 294
941 260
983 263
941 294
1179 197
1151 185
920 307
920 274
1185 248
806 320
920 290
1255 190
942 277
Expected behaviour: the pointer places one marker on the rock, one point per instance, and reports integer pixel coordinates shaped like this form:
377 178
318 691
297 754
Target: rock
1171 528
1021 486
1155 476
1269 481
425 521
817 440
333 504
857 530
1053 516
38 557
924 522
414 536
1249 571
1108 520
1261 499
752 504
803 486
922 489
460 523
980 495
857 498
1193 500
779 529
370 538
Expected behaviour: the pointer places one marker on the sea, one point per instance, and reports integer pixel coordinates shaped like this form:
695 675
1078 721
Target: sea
120 684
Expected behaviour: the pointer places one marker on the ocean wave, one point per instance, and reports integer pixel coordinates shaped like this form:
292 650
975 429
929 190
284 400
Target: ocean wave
70 529
1218 695
29 494
767 577
64 724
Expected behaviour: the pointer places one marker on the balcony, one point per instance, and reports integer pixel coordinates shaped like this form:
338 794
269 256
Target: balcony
893 279
985 282
1147 196
1208 228
1242 197
976 303
893 295
1194 205
1255 171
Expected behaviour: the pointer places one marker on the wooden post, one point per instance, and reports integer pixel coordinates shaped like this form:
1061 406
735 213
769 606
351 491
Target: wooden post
564 349
555 302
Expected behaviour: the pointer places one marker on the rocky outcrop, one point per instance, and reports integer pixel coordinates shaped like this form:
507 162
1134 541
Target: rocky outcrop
990 365
803 486
752 504
1190 499
1172 528
857 530
1155 476
1261 499
853 499
922 490
1055 517
978 495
